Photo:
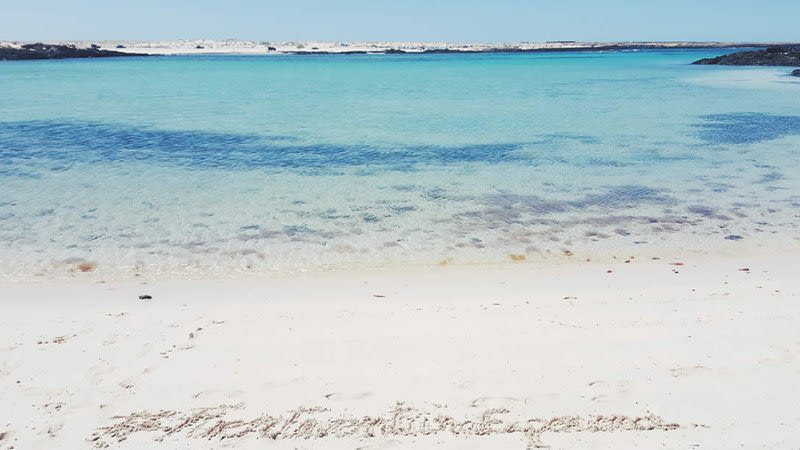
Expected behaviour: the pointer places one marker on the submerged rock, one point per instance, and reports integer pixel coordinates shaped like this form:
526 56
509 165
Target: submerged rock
773 56
56 51
87 266
796 72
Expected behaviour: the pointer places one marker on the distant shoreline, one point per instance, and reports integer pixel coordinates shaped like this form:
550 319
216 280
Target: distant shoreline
519 50
514 49
236 47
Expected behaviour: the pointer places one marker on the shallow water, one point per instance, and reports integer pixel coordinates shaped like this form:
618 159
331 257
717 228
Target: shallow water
228 163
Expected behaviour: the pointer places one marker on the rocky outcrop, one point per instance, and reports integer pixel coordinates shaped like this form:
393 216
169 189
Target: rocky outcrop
773 56
56 51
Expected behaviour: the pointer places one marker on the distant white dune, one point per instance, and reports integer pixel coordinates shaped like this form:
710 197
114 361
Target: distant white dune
232 46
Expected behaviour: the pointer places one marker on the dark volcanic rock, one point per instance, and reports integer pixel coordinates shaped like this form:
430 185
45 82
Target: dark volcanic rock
773 56
56 51
796 72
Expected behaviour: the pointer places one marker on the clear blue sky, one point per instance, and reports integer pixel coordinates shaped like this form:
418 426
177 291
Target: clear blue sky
452 20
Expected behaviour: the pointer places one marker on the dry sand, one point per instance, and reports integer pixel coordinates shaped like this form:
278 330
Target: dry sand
652 354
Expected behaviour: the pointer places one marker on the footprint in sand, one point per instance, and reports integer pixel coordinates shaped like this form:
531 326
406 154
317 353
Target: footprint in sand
336 396
55 340
686 371
221 395
394 443
53 431
495 402
5 438
53 407
603 390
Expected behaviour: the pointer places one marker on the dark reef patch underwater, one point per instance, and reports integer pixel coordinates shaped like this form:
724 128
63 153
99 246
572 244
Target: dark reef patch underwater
746 128
67 142
94 142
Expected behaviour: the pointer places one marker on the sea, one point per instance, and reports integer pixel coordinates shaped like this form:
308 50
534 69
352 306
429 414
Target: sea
217 165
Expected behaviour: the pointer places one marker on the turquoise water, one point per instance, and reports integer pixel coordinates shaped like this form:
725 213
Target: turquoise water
273 163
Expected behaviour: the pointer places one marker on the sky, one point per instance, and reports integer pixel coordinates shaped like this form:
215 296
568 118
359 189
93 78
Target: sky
402 20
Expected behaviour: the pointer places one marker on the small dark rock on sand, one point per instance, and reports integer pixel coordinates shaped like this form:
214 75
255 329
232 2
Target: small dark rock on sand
145 297
734 237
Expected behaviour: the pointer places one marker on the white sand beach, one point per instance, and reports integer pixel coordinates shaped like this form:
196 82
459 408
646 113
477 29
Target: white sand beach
695 353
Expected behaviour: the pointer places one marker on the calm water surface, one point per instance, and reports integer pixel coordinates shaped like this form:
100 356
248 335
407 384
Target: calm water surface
176 165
